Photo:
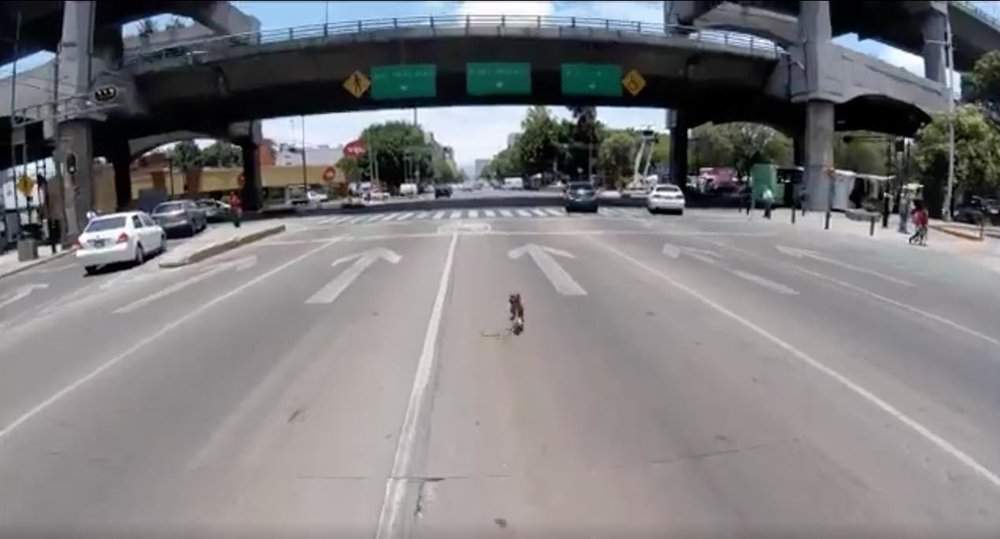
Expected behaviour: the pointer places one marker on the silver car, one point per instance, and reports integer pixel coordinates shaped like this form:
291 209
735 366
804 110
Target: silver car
180 215
215 210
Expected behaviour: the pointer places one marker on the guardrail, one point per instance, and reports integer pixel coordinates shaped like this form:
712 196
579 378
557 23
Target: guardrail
192 48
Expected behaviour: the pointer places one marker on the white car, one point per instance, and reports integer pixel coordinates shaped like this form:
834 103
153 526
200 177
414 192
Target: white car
665 197
119 237
316 197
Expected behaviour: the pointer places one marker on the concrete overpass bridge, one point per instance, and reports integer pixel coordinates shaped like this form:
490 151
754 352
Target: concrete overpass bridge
807 87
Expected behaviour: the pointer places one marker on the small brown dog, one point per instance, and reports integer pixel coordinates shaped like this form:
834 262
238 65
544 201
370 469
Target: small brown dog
516 313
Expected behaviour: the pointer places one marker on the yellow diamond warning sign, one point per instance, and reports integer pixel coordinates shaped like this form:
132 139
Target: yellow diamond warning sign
25 185
633 82
357 84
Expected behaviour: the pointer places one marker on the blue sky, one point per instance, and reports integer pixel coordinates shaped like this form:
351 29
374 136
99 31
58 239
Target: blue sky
474 132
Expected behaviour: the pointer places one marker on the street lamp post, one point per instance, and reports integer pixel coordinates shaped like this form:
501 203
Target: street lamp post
950 95
305 183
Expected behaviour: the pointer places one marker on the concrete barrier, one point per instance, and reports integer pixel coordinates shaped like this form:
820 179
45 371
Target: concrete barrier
220 247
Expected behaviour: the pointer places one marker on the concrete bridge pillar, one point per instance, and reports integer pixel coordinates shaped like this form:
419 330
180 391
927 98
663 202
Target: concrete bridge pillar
121 160
935 36
76 149
815 33
679 124
251 194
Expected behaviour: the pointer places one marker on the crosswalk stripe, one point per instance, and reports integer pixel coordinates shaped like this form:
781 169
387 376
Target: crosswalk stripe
382 217
405 216
554 212
539 212
490 213
359 219
474 214
439 215
506 213
340 220
523 213
457 214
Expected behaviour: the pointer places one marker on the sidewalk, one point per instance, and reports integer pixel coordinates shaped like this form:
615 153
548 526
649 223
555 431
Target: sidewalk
218 240
9 264
985 252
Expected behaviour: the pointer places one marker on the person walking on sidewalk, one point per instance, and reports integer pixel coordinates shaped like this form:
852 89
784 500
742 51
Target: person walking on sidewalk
768 197
235 208
920 220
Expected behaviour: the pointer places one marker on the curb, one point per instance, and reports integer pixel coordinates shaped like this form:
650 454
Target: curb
36 263
221 247
956 232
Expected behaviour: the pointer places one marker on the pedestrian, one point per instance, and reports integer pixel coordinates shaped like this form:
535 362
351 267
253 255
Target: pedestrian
768 197
920 220
235 208
803 199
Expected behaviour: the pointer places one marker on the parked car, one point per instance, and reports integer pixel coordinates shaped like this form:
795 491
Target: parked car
580 196
978 209
215 210
315 197
119 237
442 191
408 190
665 197
183 215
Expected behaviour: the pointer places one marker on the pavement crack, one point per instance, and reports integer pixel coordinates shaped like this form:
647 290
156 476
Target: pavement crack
423 493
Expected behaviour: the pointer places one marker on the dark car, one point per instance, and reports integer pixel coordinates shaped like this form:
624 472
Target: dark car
580 196
180 215
442 191
978 210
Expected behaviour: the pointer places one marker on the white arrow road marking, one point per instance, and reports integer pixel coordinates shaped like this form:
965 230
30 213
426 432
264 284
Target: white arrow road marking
363 261
704 258
766 283
805 253
239 264
561 280
22 293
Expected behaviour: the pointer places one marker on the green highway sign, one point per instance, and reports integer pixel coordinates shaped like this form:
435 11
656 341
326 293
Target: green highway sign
404 81
498 78
592 79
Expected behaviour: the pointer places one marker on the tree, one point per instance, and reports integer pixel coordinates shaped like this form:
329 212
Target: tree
615 158
860 153
538 146
175 23
186 155
222 154
390 142
740 145
985 79
350 168
504 164
977 155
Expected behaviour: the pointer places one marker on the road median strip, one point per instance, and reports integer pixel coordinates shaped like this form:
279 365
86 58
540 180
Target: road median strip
216 248
957 232
34 263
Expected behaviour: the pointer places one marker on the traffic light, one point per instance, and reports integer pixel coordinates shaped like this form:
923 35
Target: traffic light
71 163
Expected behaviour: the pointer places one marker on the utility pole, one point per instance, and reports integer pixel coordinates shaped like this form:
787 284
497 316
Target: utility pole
305 183
949 67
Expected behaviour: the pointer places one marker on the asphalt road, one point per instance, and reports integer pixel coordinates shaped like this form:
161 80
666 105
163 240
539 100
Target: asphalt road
695 376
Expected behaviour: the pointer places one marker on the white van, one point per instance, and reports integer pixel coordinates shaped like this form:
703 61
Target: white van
408 190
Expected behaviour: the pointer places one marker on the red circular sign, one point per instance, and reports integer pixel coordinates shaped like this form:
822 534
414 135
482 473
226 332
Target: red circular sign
329 174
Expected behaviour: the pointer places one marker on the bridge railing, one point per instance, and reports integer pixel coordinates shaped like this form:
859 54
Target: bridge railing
978 11
450 23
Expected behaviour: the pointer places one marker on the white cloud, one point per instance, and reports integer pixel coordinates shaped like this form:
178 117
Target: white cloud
506 8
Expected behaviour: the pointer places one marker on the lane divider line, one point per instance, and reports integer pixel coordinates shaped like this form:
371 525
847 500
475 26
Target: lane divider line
395 486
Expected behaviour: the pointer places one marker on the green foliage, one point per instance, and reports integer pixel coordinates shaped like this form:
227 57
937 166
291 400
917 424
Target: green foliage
390 142
147 27
739 145
350 167
175 23
538 146
222 154
186 155
985 79
977 154
616 158
861 153
506 163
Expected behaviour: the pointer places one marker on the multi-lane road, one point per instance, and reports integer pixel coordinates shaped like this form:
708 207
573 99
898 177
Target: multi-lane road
695 376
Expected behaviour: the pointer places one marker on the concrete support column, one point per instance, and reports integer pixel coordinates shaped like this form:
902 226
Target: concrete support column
251 194
934 34
818 153
121 159
679 125
76 147
799 148
815 33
